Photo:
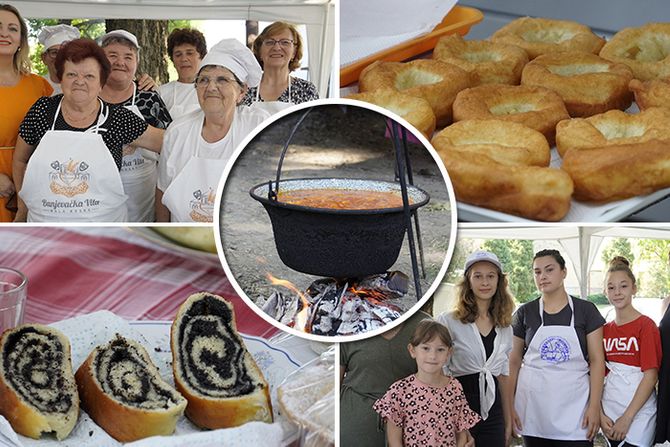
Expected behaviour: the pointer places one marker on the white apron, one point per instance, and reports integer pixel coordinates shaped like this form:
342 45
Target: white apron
190 197
184 107
138 175
620 386
553 386
72 177
272 107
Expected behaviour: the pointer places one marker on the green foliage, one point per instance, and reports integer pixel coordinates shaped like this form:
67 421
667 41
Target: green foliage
656 278
516 257
618 247
598 298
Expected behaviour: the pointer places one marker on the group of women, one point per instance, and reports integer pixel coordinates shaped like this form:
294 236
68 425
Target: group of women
552 371
104 150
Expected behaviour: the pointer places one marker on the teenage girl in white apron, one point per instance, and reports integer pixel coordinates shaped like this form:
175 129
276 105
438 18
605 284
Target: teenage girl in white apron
138 175
558 392
72 177
632 342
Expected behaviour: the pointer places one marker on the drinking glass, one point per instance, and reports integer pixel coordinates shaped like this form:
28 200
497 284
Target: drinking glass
13 293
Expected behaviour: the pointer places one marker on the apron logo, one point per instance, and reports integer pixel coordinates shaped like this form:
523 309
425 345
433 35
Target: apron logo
69 179
555 350
202 207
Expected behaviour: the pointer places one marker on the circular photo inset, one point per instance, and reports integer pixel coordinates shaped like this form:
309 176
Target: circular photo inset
336 220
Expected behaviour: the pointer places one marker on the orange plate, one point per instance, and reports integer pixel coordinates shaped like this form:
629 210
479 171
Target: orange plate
459 21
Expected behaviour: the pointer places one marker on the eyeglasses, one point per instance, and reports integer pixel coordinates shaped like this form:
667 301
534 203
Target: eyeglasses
284 43
52 53
220 81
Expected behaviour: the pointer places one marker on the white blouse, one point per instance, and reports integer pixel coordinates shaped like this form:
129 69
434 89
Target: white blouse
469 356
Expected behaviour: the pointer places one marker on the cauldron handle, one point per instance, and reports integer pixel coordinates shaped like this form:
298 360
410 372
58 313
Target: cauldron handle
273 194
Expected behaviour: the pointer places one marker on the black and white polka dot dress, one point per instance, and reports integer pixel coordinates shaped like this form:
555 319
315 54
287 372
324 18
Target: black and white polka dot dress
120 127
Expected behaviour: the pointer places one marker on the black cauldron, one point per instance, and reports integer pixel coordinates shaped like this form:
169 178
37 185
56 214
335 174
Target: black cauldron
335 242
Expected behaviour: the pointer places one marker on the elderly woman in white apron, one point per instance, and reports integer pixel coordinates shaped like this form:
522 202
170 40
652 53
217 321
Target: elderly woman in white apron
70 146
138 171
198 146
633 353
480 327
186 48
279 50
559 338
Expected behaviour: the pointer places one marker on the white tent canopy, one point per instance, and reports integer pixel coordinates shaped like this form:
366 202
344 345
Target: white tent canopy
317 15
580 243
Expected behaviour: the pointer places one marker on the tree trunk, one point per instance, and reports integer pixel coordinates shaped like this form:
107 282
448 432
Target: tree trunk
252 32
152 37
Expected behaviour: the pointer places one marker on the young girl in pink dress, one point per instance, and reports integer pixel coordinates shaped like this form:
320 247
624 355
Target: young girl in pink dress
427 408
633 353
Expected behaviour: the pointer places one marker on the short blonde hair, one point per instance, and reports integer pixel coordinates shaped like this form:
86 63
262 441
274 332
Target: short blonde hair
22 56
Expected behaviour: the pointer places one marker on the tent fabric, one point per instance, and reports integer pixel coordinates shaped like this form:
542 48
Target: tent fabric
317 15
581 243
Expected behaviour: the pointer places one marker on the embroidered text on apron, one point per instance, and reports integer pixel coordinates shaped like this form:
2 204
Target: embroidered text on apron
553 385
72 177
620 386
190 197
139 176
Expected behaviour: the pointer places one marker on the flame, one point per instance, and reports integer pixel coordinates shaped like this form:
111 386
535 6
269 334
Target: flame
301 317
211 197
71 166
373 296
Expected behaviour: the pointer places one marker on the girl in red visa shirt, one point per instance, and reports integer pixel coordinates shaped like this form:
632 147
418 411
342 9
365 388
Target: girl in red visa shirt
633 353
427 408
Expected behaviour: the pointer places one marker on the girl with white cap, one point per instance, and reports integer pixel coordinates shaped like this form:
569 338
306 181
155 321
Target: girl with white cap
198 145
633 353
482 335
559 338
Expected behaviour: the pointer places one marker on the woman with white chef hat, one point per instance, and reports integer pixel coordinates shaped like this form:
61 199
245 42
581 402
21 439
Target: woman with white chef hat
480 326
138 169
197 146
560 341
52 38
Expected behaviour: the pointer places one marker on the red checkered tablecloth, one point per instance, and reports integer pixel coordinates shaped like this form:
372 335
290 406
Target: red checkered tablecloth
73 272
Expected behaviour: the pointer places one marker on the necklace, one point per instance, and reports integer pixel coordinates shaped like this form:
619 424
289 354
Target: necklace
69 116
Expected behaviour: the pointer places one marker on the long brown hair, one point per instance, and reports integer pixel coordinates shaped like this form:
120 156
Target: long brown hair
22 55
500 309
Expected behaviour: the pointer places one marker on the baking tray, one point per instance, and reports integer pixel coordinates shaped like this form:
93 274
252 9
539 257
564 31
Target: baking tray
579 211
458 21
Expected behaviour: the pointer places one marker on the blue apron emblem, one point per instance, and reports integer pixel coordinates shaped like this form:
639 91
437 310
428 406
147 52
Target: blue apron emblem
555 349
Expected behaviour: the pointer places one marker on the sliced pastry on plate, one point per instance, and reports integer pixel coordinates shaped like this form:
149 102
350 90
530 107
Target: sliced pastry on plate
38 394
122 390
212 367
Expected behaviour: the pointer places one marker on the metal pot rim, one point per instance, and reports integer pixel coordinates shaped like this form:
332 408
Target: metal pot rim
421 197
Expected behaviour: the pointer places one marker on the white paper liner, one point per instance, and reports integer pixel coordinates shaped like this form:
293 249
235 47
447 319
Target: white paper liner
88 331
369 26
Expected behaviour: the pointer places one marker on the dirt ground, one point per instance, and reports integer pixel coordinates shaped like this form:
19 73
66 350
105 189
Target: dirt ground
334 141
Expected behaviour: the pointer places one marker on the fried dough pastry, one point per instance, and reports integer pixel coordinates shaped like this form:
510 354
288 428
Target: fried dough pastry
541 36
502 166
612 128
536 107
654 93
435 81
587 83
488 62
619 171
417 111
645 49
